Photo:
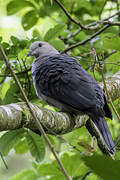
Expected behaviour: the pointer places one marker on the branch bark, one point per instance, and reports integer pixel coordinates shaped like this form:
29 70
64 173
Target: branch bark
86 40
17 115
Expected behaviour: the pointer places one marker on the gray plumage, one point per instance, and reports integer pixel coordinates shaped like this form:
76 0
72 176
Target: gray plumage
61 82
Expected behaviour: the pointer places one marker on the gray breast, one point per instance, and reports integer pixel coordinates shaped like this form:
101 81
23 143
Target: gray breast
36 66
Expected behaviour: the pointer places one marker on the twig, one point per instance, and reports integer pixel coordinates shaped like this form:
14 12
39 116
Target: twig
66 40
69 21
19 64
72 19
3 160
19 73
87 174
106 19
111 23
110 54
90 26
102 9
105 87
34 116
117 13
74 34
68 15
86 40
27 77
111 63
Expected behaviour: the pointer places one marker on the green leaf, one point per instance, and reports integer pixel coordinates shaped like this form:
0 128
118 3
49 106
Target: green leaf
81 36
54 32
9 139
51 138
30 19
114 57
83 4
25 175
74 169
22 54
77 138
21 147
15 40
12 93
103 166
111 43
4 88
113 68
16 5
58 44
1 38
35 165
50 169
36 145
57 177
36 34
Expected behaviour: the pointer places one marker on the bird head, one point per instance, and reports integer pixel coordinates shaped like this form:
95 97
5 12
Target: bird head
40 48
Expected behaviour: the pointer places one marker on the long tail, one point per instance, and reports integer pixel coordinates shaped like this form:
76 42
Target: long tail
104 131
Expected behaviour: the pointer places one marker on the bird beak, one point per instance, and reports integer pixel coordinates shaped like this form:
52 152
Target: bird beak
29 54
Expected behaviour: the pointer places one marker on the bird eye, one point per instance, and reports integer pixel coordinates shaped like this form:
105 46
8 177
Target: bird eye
40 45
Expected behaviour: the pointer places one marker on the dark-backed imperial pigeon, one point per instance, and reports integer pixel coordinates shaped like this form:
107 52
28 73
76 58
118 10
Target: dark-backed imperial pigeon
61 82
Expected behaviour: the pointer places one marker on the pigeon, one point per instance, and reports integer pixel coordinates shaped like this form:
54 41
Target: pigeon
62 82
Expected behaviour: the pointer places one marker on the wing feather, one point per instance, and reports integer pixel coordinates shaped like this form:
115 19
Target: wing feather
63 79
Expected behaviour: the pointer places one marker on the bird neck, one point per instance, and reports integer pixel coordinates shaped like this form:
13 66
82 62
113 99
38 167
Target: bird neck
46 55
39 60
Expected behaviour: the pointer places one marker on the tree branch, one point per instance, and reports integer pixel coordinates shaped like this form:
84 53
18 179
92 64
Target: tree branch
86 40
87 27
68 15
102 20
101 10
19 73
107 25
17 115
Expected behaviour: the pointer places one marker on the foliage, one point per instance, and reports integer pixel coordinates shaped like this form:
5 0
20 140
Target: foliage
26 174
96 163
36 145
23 140
47 22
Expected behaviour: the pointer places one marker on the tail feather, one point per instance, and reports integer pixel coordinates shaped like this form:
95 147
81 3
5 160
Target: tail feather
104 131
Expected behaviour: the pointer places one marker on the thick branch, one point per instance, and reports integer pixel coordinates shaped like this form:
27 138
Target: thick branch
113 86
17 115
